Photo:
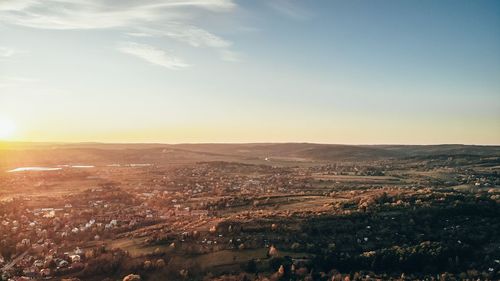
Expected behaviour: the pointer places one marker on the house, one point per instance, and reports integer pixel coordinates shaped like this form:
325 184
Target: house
62 263
45 272
75 258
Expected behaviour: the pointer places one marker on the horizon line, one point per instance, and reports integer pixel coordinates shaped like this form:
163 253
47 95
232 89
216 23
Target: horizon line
232 143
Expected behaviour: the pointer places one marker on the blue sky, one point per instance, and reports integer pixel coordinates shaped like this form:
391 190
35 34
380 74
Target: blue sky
251 71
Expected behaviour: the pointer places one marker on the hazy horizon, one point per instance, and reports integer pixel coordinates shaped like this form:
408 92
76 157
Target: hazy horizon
234 143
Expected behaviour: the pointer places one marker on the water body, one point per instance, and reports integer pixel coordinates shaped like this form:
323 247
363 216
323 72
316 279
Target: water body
36 169
140 165
60 167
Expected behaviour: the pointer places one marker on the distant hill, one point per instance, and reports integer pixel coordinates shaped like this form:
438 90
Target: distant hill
417 151
308 151
21 154
337 152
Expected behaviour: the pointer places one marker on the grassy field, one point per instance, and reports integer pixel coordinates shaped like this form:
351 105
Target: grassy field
136 246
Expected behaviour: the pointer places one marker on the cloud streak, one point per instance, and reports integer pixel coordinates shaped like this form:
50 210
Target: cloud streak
95 14
172 19
290 9
6 52
189 34
152 55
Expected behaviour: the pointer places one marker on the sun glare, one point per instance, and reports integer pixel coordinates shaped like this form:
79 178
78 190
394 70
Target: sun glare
7 129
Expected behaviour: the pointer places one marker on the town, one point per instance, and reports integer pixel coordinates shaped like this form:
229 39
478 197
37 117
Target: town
263 213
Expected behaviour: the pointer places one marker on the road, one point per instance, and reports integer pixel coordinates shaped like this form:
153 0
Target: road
11 264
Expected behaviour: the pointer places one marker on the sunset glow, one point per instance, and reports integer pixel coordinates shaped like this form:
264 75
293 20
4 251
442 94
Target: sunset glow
251 71
7 129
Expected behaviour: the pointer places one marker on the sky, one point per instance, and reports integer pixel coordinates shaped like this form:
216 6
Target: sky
325 71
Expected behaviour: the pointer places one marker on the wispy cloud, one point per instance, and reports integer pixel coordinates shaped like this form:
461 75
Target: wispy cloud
15 5
152 54
171 19
290 8
6 52
95 14
230 56
189 34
